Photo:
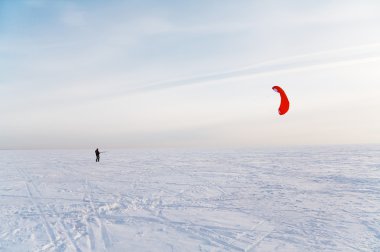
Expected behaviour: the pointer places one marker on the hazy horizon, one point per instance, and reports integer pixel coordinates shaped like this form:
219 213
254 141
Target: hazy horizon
188 74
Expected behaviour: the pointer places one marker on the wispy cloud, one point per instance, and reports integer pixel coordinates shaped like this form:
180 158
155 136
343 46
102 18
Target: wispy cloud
317 60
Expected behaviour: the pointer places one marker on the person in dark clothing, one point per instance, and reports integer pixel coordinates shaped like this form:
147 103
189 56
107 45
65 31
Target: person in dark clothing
97 153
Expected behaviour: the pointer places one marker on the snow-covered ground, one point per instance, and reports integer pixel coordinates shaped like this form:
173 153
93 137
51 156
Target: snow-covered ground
303 199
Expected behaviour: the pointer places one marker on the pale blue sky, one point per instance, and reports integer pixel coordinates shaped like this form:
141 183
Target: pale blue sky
83 74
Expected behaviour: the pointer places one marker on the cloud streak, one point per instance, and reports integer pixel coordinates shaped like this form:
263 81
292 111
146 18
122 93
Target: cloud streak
318 60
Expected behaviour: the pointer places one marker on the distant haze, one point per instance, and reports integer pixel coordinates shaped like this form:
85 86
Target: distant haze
87 74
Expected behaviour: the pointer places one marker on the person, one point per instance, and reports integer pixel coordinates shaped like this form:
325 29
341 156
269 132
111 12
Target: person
97 153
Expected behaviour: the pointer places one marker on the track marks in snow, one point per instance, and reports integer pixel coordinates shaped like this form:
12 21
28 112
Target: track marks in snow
243 241
264 229
216 236
103 230
90 234
37 202
49 229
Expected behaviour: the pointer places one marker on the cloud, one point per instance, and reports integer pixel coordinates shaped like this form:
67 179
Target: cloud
317 60
88 90
328 13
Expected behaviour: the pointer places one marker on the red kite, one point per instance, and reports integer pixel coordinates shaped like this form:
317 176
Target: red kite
284 106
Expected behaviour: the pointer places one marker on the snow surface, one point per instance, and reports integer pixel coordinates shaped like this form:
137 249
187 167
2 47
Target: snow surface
304 199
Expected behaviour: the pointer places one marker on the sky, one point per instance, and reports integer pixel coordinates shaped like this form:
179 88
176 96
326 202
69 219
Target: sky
157 74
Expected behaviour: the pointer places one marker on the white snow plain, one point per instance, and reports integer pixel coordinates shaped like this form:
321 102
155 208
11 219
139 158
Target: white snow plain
302 199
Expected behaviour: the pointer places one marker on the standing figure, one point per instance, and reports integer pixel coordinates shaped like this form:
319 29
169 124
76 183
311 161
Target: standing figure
97 153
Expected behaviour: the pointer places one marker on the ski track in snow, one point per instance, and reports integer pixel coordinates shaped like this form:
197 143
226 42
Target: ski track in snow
103 231
36 201
302 199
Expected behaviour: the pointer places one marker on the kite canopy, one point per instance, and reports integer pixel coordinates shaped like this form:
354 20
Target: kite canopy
284 106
